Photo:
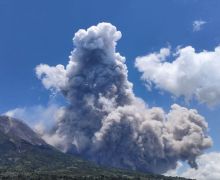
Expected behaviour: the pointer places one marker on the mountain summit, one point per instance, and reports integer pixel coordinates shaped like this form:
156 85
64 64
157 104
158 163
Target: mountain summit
18 132
22 149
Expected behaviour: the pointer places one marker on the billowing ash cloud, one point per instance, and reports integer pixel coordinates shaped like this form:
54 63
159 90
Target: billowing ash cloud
191 74
106 123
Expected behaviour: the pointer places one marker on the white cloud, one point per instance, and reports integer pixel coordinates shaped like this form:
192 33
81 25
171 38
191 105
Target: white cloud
190 74
198 24
208 168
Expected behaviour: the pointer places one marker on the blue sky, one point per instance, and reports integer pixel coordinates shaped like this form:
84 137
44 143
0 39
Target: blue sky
34 32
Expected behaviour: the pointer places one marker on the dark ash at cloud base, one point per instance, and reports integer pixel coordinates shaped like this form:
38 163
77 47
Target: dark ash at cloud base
106 123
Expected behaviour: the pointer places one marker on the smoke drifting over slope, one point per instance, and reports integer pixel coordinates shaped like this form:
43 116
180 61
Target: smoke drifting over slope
106 123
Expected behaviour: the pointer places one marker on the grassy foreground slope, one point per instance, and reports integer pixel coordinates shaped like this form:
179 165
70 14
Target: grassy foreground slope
25 156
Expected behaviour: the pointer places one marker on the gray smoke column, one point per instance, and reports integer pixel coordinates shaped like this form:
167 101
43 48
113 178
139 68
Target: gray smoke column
106 123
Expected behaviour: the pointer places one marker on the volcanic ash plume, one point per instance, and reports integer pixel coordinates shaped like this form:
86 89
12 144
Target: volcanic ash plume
105 122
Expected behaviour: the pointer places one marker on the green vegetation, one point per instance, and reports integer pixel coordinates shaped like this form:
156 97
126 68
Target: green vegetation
45 162
26 161
23 160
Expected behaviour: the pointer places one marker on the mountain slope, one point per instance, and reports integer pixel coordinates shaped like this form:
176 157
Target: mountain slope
24 155
21 148
18 131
